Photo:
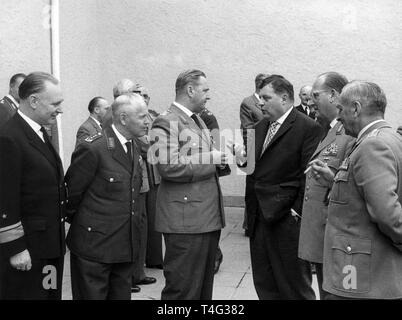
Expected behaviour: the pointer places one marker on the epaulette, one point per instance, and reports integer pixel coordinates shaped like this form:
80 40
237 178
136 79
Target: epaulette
2 101
373 133
340 129
94 137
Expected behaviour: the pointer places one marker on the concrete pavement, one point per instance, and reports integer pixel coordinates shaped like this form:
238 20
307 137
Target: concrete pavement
233 281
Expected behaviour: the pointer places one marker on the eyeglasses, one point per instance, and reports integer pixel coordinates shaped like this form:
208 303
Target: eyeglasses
316 94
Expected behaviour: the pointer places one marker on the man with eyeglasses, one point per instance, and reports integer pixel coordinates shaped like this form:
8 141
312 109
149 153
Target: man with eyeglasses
331 150
363 236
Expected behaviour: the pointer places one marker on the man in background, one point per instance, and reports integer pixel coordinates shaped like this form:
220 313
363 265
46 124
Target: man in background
97 108
303 107
9 104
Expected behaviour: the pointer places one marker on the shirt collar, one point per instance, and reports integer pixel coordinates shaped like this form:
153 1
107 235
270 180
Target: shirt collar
333 123
362 131
282 119
9 96
34 125
96 120
121 138
184 109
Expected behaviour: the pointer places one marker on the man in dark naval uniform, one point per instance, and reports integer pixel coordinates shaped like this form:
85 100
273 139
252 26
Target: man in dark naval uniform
9 104
104 182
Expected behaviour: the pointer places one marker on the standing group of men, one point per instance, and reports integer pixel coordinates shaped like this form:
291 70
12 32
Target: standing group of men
322 194
325 190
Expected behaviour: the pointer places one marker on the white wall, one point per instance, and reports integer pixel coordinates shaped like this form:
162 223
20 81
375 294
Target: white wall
152 41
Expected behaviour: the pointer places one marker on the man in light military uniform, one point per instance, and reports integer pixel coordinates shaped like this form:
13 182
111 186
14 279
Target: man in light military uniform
104 182
363 237
332 148
189 205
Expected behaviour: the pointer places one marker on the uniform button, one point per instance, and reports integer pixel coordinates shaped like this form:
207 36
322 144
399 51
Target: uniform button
4 216
89 229
185 198
132 213
348 248
132 190
307 188
111 180
133 201
62 219
62 202
306 198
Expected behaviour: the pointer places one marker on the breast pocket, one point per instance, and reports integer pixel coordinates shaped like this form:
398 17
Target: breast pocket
351 261
110 185
339 193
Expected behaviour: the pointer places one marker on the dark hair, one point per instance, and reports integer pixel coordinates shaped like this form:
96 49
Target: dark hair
94 103
259 78
334 80
279 84
34 83
15 77
186 77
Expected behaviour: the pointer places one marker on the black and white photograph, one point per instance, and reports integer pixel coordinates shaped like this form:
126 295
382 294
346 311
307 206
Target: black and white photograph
200 154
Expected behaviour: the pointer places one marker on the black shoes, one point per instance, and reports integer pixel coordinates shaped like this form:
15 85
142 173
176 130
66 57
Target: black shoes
146 280
135 289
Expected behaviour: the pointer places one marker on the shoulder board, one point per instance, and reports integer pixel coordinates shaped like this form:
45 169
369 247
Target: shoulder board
340 129
374 133
2 101
94 137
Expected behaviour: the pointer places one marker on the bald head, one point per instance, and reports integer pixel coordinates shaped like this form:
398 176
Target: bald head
130 115
304 94
123 86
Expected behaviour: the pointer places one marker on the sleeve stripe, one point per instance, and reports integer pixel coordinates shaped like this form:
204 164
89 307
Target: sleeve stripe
11 233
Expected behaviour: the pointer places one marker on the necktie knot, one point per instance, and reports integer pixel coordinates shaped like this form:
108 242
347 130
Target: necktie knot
270 134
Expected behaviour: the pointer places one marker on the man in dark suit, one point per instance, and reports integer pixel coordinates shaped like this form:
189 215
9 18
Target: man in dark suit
32 195
189 206
363 236
104 182
97 108
9 104
332 149
303 107
284 142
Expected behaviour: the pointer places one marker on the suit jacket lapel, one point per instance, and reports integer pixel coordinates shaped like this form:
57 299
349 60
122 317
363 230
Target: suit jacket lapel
286 125
37 143
331 136
191 124
260 133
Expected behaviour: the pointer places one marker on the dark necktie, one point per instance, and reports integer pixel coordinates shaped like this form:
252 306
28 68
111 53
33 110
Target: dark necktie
195 118
50 146
129 151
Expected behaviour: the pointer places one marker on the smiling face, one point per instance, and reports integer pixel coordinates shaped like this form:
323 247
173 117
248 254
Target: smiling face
47 104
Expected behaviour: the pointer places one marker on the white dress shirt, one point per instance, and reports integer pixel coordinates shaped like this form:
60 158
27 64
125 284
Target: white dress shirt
34 125
121 138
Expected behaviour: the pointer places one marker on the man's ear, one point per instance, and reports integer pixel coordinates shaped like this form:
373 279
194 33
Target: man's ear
190 90
96 110
284 98
33 101
122 117
333 96
357 108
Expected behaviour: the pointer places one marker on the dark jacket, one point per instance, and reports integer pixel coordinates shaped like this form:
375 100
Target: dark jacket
7 110
32 193
103 200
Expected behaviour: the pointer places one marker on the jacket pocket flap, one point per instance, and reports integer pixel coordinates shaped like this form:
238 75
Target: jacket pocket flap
342 175
184 197
334 163
111 176
93 225
352 245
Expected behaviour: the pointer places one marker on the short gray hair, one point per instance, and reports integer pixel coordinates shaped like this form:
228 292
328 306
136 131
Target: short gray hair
333 80
123 86
125 99
35 82
369 94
